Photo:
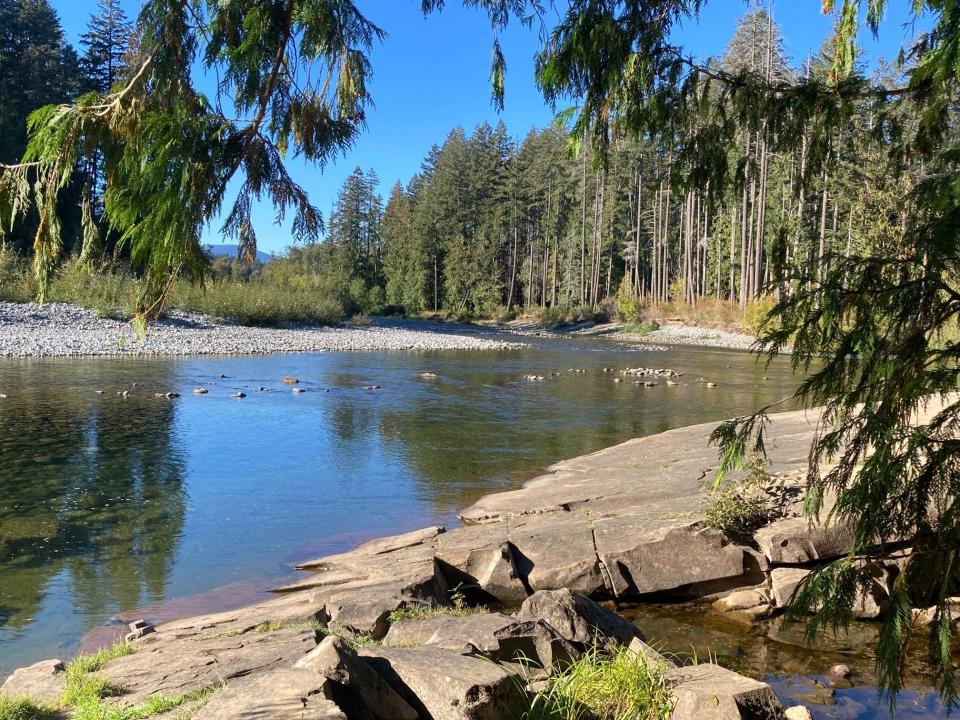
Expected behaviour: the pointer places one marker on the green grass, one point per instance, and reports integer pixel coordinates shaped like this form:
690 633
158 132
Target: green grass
269 626
423 612
92 663
23 708
94 709
644 328
604 686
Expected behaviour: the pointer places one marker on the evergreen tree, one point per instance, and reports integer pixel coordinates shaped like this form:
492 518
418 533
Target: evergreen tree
106 44
37 68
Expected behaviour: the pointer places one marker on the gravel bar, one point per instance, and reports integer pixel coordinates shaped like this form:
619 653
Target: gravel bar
691 335
62 330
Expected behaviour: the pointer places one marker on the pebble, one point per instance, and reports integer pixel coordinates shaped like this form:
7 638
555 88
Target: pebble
200 391
288 380
840 671
240 394
298 390
428 375
711 384
63 330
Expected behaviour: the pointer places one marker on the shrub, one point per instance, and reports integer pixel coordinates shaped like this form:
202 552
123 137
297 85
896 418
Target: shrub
110 292
16 279
605 686
257 303
756 314
551 317
738 508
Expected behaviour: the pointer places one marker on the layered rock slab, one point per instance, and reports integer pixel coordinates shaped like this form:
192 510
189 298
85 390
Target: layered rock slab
710 692
172 666
274 695
444 685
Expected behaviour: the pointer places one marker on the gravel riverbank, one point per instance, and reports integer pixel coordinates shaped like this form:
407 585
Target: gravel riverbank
692 335
667 334
61 330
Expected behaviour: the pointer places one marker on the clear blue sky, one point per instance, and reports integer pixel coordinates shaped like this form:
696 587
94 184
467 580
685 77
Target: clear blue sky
432 74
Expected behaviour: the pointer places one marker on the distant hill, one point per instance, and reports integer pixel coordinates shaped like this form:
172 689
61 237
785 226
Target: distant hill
231 252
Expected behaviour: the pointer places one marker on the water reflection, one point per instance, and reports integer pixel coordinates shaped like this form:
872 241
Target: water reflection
91 497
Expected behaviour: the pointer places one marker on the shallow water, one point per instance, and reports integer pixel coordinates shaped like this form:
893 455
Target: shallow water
779 654
109 503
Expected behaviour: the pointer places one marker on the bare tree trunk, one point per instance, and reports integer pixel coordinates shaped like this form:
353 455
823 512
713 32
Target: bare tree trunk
583 230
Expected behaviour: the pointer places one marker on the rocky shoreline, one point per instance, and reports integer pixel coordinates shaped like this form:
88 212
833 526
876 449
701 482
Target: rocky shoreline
432 623
61 330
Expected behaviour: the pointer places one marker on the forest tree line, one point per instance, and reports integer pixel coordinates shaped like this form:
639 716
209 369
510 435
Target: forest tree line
491 224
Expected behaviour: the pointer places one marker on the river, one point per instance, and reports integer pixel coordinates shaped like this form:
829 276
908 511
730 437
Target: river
110 502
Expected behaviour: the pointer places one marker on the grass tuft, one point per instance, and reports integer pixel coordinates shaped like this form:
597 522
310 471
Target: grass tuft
15 707
423 612
604 686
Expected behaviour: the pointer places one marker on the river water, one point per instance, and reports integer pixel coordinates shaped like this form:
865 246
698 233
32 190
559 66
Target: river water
110 502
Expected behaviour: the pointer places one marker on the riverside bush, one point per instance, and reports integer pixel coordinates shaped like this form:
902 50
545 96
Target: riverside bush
738 508
256 303
755 315
16 281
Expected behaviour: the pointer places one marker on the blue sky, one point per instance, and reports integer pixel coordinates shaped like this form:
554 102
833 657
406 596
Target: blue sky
432 74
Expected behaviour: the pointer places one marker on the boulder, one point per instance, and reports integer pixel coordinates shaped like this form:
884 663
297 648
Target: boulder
444 685
274 695
41 681
641 560
797 712
449 632
354 686
784 583
639 648
577 618
795 541
710 692
555 551
490 570
869 605
481 562
496 636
